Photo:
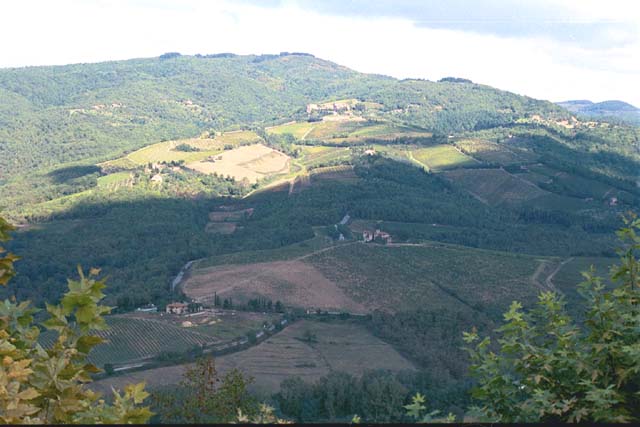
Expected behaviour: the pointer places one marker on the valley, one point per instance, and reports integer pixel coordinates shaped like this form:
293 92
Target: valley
380 218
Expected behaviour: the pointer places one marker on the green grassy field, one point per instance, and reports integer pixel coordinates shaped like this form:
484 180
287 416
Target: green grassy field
313 156
441 157
233 326
297 129
110 180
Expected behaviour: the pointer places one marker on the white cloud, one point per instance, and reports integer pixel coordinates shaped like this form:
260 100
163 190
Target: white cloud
67 31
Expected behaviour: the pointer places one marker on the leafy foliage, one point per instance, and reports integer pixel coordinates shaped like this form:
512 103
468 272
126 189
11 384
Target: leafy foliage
205 397
376 396
39 385
417 410
6 261
548 368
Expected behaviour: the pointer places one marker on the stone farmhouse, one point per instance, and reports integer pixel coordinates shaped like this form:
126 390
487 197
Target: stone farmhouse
368 236
177 308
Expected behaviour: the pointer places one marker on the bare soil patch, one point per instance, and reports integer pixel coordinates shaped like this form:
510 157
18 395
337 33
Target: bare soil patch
295 283
251 162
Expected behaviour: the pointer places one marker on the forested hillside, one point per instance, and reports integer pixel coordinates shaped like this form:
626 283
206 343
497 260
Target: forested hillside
54 115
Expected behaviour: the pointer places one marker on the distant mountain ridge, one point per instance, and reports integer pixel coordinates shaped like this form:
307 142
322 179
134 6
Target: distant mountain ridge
606 109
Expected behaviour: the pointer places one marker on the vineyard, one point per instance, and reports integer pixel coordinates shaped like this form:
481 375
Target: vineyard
129 339
343 346
316 155
340 172
348 129
441 157
492 152
495 186
411 276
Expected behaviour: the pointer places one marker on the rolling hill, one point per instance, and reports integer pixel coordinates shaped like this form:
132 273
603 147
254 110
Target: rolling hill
108 108
606 109
267 170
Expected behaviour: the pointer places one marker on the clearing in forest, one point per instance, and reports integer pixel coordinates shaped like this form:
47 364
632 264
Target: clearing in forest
225 221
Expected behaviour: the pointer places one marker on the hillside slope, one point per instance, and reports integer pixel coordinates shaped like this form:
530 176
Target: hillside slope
58 114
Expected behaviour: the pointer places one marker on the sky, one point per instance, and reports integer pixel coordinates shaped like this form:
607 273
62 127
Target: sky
547 49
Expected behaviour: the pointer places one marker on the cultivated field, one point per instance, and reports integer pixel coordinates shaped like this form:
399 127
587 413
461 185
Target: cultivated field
348 129
410 276
315 155
113 180
225 221
573 184
495 186
344 346
362 277
340 173
492 152
130 339
251 162
167 152
294 282
441 157
135 336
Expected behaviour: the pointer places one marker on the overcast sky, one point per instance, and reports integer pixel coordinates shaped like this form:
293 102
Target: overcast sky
550 49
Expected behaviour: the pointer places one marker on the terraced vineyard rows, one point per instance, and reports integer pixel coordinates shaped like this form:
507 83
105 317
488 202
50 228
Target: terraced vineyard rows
130 339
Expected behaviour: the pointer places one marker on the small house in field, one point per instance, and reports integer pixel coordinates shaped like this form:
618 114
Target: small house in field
157 178
177 308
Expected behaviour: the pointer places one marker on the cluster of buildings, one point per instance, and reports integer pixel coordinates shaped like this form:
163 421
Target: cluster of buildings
184 308
369 236
332 107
